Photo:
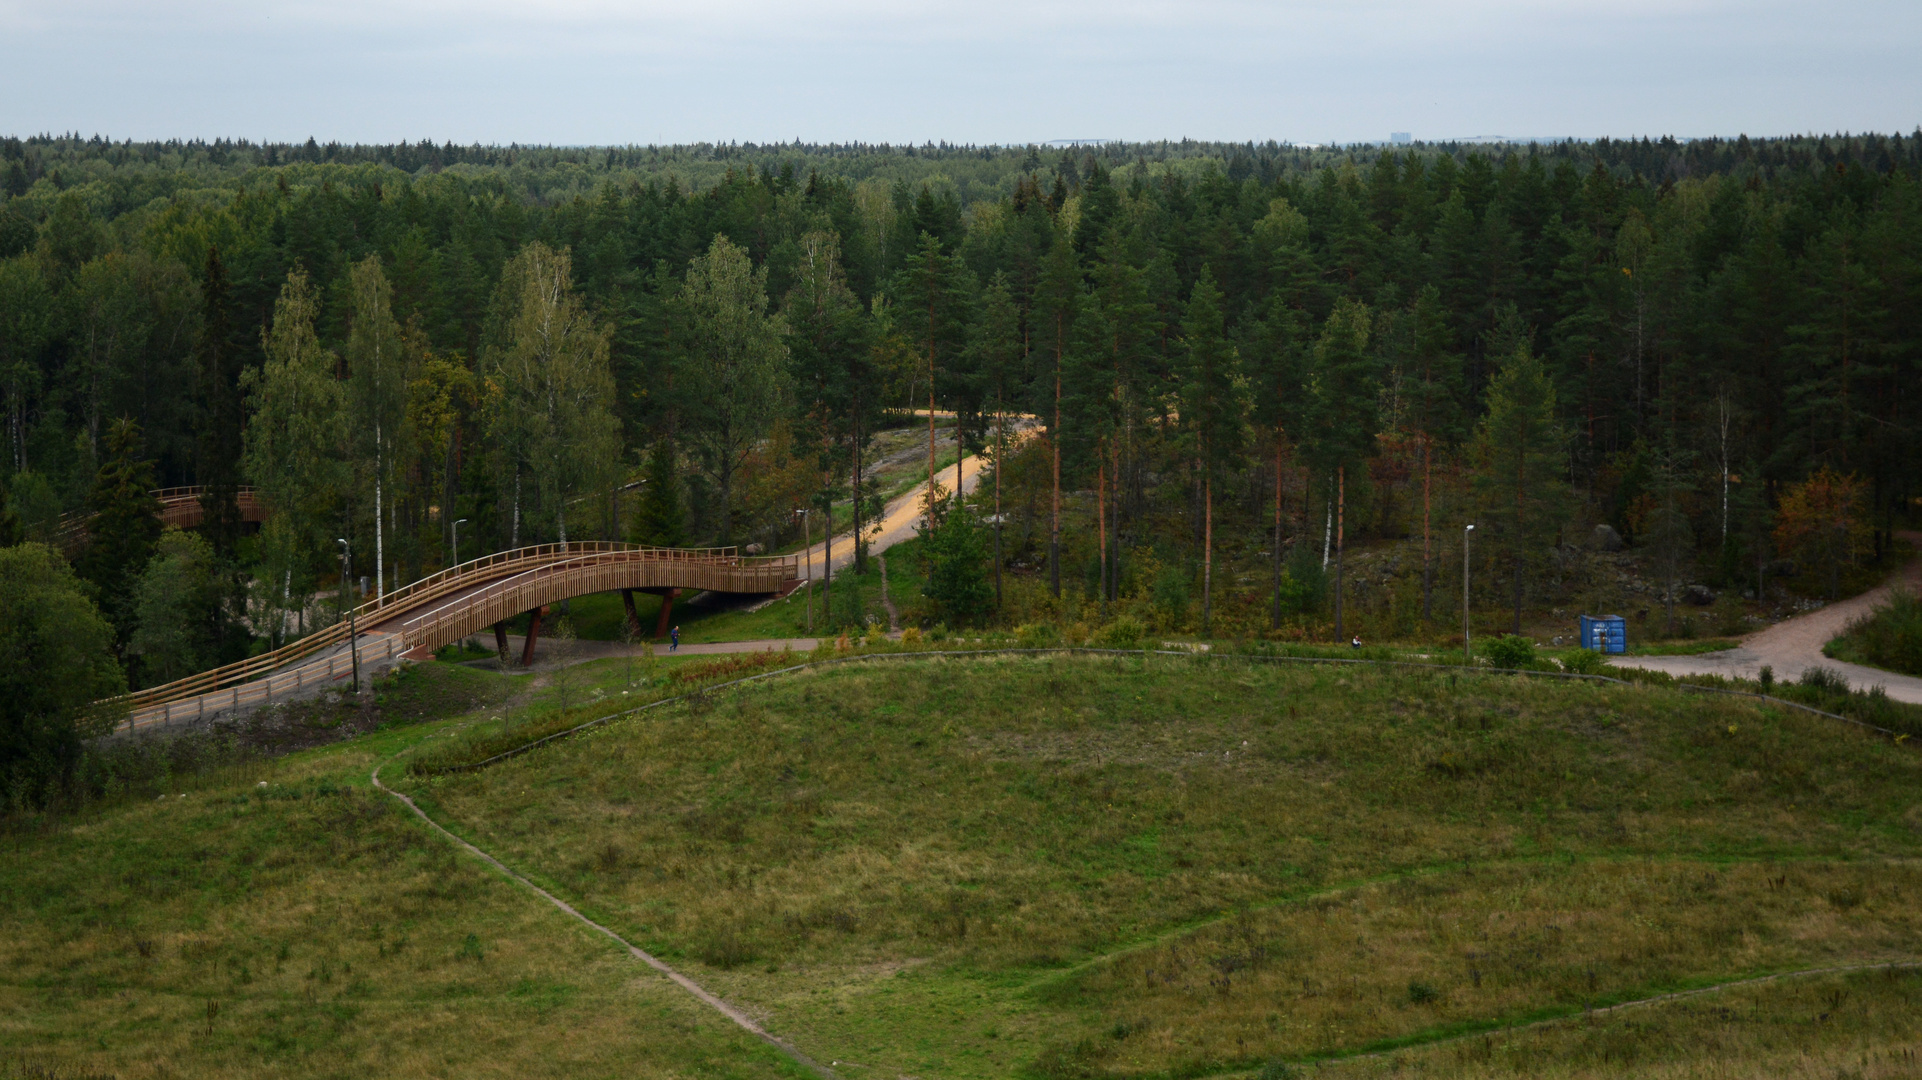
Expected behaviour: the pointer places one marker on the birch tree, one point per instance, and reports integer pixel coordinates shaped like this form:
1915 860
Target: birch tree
548 393
376 395
295 448
731 380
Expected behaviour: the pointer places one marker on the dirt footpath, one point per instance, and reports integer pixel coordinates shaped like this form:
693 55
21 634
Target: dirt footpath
1794 645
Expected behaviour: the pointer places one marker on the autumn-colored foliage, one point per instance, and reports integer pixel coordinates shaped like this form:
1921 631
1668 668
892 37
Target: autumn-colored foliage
1822 517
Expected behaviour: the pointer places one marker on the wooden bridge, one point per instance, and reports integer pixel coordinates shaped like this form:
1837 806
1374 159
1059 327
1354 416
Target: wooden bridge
455 603
179 507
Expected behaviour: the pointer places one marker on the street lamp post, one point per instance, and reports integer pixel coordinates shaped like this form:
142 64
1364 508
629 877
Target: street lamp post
1466 531
353 637
457 526
807 547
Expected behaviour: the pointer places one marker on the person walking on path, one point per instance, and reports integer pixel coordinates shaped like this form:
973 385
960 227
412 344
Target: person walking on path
674 639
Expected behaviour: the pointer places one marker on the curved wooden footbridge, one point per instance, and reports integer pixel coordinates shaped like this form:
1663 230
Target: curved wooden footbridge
179 506
440 609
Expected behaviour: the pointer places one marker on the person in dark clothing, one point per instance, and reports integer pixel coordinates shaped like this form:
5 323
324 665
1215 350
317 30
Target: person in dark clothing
674 639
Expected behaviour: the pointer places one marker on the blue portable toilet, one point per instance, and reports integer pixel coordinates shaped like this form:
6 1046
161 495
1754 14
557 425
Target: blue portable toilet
1605 633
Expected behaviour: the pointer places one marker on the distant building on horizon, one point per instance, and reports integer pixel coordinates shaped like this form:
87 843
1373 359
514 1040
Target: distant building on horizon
1400 138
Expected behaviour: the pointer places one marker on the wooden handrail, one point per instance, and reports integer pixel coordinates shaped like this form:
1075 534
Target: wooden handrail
728 571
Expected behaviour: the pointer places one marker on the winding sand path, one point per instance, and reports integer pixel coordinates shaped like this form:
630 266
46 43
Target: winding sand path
1794 645
898 520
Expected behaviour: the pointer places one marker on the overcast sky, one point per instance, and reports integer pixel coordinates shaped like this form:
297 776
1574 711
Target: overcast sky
1000 71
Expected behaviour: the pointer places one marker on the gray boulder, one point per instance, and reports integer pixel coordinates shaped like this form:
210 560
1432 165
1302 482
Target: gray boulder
1699 595
1605 538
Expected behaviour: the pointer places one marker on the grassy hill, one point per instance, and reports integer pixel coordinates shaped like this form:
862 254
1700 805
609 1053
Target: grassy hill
997 866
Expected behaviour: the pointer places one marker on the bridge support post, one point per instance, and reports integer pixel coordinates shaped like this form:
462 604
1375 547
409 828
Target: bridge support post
633 620
500 639
533 635
667 610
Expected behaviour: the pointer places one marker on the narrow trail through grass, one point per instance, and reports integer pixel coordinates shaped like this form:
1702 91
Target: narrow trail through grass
745 1022
587 865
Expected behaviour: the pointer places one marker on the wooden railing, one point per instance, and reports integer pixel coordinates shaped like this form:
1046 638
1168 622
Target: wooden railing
555 581
179 506
719 569
373 647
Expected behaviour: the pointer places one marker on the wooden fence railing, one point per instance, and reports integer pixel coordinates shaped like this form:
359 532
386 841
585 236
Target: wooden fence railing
373 647
179 506
556 581
405 599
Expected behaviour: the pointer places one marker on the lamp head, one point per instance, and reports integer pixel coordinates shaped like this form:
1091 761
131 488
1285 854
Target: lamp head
462 521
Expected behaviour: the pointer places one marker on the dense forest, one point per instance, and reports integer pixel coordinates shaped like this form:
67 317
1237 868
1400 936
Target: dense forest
1196 351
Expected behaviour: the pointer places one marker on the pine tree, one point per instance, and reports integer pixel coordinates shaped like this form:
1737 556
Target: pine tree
1000 357
1214 412
1343 396
1521 453
933 316
1057 303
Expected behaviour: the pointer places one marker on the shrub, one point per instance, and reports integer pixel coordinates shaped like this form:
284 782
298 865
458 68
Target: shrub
911 636
1510 651
957 584
1125 632
1039 636
1585 662
1821 678
1888 637
1420 993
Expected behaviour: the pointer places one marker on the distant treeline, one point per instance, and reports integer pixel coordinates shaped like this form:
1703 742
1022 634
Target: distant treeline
1674 338
146 170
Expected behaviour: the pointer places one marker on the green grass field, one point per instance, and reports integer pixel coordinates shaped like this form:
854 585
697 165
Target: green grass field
1004 866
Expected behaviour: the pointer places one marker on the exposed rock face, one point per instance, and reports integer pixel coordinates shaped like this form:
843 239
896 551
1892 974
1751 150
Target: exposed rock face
1699 595
1605 538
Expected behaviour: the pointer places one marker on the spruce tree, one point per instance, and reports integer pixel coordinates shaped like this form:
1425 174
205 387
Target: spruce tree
221 412
660 519
124 528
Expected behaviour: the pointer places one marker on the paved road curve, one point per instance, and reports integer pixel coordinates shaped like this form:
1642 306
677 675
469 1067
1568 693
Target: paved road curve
1795 645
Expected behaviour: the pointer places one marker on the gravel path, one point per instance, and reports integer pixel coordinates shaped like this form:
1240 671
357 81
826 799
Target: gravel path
1795 645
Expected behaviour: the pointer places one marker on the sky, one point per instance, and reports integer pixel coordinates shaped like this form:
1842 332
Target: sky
575 72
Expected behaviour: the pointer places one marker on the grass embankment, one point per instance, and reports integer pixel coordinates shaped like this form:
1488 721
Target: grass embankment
280 918
1890 637
974 867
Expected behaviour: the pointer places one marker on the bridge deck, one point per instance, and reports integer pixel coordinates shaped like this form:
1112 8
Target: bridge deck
453 604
